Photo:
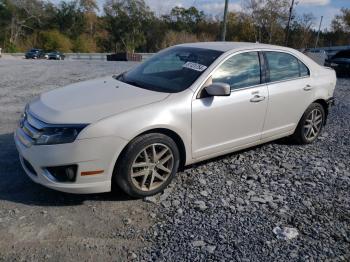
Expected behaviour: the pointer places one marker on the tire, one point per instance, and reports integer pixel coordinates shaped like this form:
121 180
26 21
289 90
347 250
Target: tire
308 130
139 172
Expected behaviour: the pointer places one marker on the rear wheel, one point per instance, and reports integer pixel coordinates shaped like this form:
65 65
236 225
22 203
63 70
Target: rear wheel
310 125
147 165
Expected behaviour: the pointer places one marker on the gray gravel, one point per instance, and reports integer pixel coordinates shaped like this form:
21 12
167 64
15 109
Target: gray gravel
225 209
39 224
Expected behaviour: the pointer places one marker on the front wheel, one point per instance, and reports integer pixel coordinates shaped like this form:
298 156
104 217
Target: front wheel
147 165
310 125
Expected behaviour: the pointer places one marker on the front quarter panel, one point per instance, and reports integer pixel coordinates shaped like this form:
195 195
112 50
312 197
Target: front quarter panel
173 113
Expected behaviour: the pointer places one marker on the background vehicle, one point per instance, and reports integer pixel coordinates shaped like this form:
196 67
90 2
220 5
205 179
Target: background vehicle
186 104
34 53
340 62
56 55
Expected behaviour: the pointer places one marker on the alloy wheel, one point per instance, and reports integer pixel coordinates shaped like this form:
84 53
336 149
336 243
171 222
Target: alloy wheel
313 124
152 167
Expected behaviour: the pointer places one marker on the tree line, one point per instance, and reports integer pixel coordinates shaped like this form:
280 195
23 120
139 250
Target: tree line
130 25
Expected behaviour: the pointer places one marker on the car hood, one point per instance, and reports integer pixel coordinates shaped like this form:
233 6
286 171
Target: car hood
90 101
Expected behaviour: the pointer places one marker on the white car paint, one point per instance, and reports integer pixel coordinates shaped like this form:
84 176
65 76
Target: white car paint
117 112
90 101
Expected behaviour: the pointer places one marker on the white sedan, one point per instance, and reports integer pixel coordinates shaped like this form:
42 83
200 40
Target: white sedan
187 103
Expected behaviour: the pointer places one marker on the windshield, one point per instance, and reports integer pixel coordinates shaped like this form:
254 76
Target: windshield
172 70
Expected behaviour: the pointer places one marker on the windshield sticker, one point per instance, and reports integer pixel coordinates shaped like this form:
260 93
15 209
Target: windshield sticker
195 66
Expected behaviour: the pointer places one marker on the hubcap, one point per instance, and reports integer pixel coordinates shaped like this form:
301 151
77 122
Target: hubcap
152 167
313 124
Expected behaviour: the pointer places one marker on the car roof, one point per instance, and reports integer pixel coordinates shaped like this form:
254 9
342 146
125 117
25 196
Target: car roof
228 46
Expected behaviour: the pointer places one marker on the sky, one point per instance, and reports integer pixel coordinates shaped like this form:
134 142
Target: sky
325 8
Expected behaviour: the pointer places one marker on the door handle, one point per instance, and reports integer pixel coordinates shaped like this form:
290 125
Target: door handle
307 88
257 98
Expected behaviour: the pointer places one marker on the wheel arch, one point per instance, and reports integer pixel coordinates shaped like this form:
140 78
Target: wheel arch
324 104
165 131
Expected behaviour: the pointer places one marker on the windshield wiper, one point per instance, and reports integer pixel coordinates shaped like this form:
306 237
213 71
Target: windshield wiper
121 78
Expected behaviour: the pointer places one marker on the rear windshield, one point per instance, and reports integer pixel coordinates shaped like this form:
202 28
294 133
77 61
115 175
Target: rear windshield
172 70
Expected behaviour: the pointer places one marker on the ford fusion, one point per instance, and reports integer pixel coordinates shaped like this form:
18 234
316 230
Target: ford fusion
186 104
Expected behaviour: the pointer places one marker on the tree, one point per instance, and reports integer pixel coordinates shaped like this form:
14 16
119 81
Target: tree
341 28
301 31
22 16
125 23
70 18
182 19
54 40
269 18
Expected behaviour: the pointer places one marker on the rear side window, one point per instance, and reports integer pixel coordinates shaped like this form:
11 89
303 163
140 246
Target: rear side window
239 71
282 66
304 71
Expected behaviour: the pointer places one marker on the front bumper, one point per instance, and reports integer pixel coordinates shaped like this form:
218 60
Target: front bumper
88 154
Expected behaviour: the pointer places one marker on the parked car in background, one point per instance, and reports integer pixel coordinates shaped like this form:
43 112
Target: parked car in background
56 55
340 62
186 104
35 53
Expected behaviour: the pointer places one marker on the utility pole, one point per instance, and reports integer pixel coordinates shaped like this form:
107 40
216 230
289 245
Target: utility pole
318 33
288 24
223 37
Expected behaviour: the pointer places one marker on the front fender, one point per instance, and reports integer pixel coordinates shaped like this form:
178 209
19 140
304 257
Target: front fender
173 113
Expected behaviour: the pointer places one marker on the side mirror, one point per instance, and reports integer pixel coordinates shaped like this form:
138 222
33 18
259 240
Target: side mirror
218 89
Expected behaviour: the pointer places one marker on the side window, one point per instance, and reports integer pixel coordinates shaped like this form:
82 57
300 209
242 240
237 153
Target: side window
282 66
239 71
304 71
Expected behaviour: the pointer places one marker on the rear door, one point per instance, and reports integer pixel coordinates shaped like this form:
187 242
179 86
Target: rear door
290 93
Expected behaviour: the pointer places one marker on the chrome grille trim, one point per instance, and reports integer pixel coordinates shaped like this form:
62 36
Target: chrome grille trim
30 131
34 122
24 138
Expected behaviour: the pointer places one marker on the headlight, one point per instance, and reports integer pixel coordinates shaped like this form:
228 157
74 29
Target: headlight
48 134
58 134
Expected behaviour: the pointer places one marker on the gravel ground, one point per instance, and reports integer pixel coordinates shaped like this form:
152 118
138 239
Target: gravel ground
39 224
226 209
223 209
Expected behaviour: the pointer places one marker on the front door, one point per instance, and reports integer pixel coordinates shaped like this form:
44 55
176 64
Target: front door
221 124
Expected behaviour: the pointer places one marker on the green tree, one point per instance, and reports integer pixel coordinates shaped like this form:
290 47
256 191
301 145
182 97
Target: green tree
125 21
70 19
84 44
269 18
54 40
184 19
340 29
